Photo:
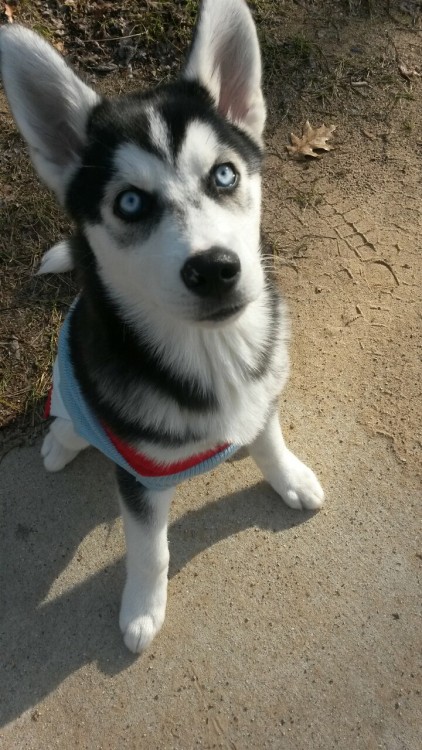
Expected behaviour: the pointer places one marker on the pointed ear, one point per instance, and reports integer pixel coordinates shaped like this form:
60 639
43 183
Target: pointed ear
225 58
49 102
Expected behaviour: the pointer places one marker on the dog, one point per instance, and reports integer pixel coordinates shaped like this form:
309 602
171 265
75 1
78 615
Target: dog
174 354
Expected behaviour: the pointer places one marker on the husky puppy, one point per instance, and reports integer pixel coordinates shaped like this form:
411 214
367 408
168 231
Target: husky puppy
174 353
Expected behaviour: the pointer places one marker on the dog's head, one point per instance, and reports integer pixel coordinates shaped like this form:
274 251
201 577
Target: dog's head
165 184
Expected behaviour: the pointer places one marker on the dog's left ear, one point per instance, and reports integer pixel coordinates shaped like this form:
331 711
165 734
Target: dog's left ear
50 104
226 59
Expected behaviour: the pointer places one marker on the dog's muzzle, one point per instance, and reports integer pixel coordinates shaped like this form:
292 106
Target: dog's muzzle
212 274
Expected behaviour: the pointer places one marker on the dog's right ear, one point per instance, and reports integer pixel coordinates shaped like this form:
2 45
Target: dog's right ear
226 59
50 104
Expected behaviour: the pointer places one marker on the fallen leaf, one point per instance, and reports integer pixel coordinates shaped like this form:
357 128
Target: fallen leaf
9 11
312 141
408 72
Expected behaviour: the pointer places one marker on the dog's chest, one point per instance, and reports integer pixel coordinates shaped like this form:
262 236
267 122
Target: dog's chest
242 406
199 391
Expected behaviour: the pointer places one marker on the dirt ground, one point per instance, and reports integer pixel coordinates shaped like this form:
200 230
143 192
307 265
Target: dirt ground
283 631
346 229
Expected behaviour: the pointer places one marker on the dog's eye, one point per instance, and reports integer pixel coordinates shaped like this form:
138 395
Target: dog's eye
225 176
133 205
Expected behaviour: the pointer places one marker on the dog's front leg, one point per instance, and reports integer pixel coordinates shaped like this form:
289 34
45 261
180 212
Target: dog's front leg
61 444
295 482
145 515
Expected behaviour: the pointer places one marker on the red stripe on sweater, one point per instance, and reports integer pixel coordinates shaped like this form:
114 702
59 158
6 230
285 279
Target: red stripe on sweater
147 467
47 405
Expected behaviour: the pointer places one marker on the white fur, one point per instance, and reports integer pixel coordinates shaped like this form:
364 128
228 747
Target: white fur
295 482
57 259
145 594
51 106
160 134
61 445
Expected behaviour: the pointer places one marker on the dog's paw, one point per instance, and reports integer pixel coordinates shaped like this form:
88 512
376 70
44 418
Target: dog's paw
141 618
56 456
299 486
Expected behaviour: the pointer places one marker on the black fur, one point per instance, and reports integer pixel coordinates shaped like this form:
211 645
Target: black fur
124 120
134 495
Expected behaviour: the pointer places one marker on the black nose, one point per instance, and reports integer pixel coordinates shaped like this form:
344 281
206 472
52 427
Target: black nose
212 273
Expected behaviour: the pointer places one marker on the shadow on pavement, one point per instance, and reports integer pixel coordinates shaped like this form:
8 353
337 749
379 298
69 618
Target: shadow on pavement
46 517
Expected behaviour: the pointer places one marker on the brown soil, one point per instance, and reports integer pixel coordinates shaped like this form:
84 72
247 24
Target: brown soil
344 227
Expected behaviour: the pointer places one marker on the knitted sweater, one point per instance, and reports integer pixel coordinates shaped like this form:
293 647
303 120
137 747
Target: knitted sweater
67 401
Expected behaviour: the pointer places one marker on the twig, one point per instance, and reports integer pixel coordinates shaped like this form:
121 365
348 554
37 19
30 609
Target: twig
118 38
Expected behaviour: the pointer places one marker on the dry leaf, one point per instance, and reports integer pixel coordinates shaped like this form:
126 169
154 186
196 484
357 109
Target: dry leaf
9 11
312 140
408 72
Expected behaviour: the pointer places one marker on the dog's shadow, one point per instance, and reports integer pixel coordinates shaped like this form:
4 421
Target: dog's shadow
44 639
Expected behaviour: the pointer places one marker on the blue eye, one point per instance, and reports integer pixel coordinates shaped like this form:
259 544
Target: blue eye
132 205
225 176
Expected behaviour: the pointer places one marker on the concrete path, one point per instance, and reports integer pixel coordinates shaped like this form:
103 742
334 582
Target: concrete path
283 630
